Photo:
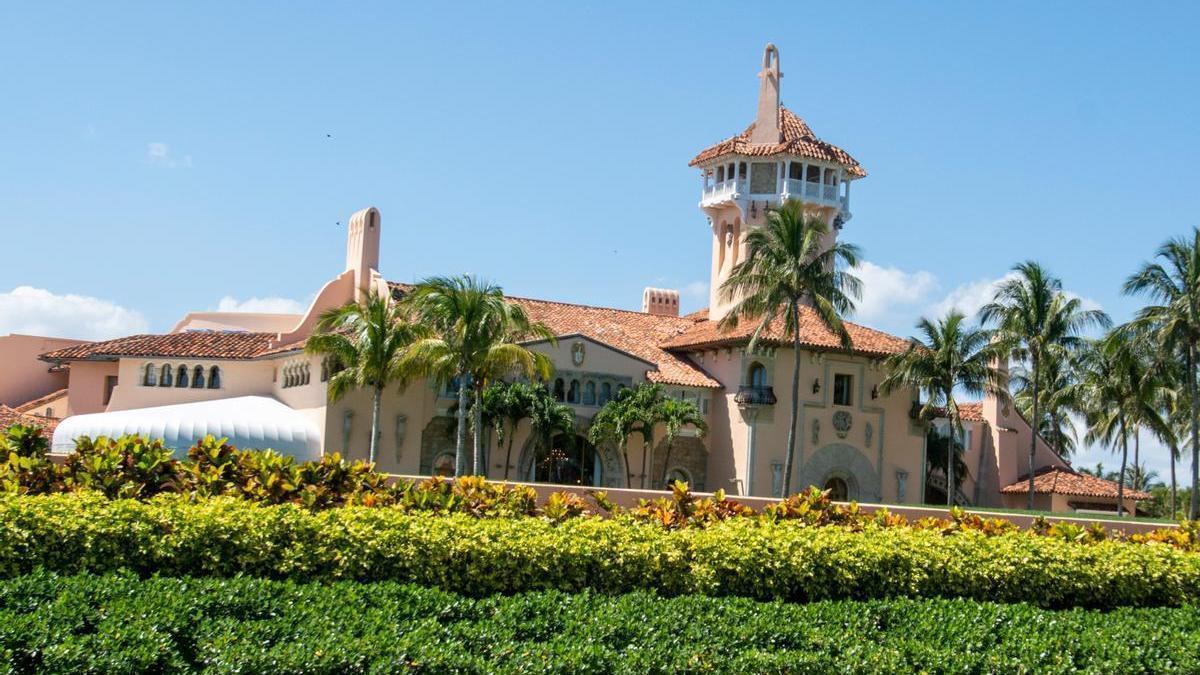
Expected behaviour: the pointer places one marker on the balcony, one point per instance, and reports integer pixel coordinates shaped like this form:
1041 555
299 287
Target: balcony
723 192
749 395
814 193
821 194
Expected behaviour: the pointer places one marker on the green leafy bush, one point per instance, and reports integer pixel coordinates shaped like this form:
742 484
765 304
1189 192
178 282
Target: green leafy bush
121 623
750 557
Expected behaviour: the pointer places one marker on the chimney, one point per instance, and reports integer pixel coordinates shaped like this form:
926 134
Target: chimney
362 247
660 301
766 125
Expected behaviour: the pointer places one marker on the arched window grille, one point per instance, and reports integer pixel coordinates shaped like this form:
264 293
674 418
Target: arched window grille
181 377
605 393
573 392
164 378
559 394
198 378
149 375
589 393
214 378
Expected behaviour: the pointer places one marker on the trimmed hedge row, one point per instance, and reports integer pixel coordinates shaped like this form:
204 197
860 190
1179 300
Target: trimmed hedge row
784 560
123 624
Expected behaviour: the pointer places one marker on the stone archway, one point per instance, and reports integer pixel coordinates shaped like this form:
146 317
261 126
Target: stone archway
688 455
846 463
576 459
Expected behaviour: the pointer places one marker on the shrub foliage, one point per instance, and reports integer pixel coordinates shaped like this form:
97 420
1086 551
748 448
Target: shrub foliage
752 557
120 623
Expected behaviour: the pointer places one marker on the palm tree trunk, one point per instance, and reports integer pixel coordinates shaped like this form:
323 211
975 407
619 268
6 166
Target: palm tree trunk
1174 450
1033 430
667 461
1137 449
477 456
950 466
508 451
646 445
625 457
1194 508
375 405
795 413
1121 476
460 440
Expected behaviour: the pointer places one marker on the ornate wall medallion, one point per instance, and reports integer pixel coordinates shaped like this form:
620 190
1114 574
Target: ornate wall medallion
577 353
842 421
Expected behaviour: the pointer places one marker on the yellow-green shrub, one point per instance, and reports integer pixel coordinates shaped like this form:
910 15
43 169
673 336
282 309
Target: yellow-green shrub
741 556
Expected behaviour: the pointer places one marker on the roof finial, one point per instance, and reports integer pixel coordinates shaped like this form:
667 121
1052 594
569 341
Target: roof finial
766 125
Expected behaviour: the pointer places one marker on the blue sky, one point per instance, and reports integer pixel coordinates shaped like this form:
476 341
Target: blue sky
164 157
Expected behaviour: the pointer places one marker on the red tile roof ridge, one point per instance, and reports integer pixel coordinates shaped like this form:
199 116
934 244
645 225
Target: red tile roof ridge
34 403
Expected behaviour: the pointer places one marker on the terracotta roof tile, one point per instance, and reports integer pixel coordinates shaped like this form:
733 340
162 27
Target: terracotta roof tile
9 417
40 401
813 335
191 344
796 138
1054 480
636 333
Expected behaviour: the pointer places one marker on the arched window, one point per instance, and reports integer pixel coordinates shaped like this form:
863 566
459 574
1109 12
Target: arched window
558 390
304 373
198 378
443 465
573 392
181 377
589 393
757 375
149 375
214 378
164 379
605 393
679 474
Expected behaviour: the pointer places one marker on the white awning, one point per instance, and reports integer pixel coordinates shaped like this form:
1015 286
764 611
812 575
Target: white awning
257 422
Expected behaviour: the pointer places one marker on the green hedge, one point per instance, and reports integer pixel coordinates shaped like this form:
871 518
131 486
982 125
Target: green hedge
745 557
123 624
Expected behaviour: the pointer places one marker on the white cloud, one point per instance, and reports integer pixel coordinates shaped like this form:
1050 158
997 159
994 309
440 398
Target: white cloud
970 297
37 311
891 296
159 154
270 305
697 290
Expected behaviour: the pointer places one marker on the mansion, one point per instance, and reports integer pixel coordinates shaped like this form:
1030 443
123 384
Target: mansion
247 377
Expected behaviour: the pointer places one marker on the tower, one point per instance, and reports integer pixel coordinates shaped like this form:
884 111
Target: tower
362 248
777 158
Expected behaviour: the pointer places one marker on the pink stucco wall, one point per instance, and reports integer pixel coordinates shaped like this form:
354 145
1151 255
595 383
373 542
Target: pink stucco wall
23 377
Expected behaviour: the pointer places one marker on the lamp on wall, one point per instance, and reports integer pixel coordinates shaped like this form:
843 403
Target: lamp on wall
816 385
874 392
401 430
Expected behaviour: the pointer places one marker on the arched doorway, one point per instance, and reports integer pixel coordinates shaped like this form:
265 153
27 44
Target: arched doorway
570 460
839 490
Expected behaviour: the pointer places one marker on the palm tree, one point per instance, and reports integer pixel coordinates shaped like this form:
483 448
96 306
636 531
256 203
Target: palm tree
548 417
674 415
1174 284
475 339
1120 393
1059 394
1142 479
614 423
1033 319
789 263
643 409
951 357
368 341
507 405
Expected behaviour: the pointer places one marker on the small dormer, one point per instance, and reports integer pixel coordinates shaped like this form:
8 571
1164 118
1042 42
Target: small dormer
660 301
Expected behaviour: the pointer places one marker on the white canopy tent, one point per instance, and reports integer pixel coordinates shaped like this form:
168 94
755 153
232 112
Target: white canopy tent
247 421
